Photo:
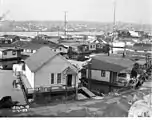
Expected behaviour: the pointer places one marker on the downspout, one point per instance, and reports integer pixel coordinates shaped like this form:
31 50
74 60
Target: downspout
89 76
76 89
34 91
111 77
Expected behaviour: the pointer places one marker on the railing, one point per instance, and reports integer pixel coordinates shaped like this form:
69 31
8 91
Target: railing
49 89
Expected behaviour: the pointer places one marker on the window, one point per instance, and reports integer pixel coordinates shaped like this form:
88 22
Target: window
122 75
103 73
13 52
4 53
52 78
98 45
59 78
23 67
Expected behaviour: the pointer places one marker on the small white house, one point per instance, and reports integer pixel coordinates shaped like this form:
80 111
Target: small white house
106 68
46 68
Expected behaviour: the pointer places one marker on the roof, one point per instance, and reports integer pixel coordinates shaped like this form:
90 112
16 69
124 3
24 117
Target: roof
38 59
141 62
10 36
142 46
6 45
33 46
9 49
110 63
20 43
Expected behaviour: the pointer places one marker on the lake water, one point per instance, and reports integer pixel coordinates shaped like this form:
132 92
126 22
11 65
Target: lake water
30 34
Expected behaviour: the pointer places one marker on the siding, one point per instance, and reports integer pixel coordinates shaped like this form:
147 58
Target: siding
0 54
9 55
64 50
96 74
29 75
93 47
43 76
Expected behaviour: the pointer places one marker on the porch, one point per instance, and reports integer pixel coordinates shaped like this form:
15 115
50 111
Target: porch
69 81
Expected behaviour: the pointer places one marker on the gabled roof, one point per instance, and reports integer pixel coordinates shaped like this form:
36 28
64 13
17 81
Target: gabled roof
20 43
110 63
38 59
33 46
9 49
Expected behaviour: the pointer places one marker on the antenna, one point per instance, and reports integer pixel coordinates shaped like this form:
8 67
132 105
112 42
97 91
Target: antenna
65 23
114 21
114 15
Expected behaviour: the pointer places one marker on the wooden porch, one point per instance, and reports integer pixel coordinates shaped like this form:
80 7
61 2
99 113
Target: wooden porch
100 86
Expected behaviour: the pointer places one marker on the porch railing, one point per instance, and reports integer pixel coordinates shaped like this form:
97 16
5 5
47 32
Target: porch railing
49 89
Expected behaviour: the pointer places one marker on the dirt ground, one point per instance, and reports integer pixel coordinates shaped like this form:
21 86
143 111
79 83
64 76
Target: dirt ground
108 107
6 88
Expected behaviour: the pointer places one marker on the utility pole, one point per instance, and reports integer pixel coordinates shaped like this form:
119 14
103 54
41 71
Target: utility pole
58 31
114 22
65 23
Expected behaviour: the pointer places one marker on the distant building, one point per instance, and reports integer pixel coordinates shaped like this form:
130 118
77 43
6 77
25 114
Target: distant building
8 39
24 38
149 60
142 47
32 47
9 56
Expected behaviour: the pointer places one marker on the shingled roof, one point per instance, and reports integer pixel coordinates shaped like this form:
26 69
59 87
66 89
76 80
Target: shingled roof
38 59
110 63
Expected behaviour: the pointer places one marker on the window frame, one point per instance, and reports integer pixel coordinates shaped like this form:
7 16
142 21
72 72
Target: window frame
4 52
52 78
13 52
103 73
90 46
58 78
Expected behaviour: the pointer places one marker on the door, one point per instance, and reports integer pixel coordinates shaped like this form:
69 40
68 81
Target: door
69 80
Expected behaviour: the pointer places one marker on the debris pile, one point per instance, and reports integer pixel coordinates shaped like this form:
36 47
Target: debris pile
141 108
7 103
20 108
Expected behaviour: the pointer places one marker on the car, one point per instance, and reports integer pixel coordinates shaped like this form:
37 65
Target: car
123 78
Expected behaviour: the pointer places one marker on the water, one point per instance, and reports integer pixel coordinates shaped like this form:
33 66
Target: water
30 34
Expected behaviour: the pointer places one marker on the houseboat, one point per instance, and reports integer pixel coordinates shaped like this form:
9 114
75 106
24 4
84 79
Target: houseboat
9 56
103 73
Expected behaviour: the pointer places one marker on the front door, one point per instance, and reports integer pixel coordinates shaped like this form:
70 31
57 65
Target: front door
69 80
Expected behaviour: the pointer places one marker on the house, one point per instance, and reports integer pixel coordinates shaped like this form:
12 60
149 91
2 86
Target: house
149 60
54 39
102 71
24 38
92 46
142 63
9 56
33 46
95 45
46 69
82 48
142 47
10 38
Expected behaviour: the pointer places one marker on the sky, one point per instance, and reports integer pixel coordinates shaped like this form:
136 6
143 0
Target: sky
134 11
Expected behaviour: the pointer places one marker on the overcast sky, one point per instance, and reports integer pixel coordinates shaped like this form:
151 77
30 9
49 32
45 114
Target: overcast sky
137 11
